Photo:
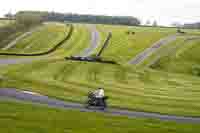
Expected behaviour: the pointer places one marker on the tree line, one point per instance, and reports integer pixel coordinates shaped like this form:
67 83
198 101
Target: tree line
192 26
77 18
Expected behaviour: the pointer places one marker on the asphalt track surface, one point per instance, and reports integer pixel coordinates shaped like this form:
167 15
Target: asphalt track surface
12 61
95 39
35 98
147 52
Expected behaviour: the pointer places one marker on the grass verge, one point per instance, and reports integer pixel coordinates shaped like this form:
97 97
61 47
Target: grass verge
42 119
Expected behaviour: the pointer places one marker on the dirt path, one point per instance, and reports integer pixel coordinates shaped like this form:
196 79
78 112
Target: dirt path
94 42
147 52
14 42
35 98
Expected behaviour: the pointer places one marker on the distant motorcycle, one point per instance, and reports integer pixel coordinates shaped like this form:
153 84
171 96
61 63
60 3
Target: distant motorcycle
92 101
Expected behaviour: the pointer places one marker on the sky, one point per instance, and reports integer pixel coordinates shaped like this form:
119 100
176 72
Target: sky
165 12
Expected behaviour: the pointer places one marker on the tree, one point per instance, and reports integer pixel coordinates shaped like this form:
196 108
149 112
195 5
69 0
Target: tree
155 24
176 24
9 15
27 20
148 22
192 26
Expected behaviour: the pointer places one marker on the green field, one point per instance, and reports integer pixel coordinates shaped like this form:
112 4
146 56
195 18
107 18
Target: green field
6 38
127 87
79 40
192 31
183 59
163 51
124 47
47 36
5 22
20 118
42 39
169 88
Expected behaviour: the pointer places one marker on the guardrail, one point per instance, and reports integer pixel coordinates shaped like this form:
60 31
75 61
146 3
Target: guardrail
46 52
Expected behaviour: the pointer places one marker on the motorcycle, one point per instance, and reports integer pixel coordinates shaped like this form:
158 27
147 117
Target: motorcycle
92 101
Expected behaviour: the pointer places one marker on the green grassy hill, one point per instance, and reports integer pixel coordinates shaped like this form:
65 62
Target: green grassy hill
163 51
47 36
4 22
181 59
8 36
166 89
42 39
79 40
124 46
127 87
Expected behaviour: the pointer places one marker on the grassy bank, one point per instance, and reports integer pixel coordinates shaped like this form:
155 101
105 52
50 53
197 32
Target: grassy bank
44 38
79 40
163 51
49 120
5 22
183 59
127 87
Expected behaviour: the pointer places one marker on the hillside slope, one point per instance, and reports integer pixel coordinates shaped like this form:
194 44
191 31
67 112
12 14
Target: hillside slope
127 87
184 58
127 42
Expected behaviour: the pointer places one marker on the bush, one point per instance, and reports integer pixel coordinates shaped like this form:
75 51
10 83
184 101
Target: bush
28 20
161 62
196 70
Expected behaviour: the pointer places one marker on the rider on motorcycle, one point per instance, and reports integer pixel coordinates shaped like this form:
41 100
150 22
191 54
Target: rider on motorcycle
97 98
99 95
